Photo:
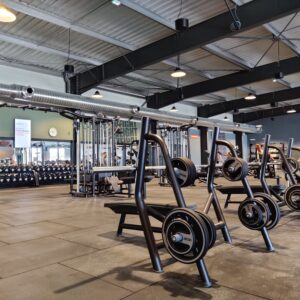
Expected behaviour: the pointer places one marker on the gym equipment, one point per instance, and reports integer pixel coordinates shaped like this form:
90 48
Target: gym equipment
293 164
292 197
254 214
286 199
185 171
235 169
186 235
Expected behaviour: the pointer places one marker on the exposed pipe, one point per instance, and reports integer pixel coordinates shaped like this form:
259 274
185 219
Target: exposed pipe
35 96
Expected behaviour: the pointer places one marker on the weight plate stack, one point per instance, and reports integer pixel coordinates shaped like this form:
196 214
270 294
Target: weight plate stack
185 171
292 197
274 209
185 235
235 168
253 214
212 232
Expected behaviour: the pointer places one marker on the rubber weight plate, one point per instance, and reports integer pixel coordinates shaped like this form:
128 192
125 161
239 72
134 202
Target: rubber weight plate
185 235
274 209
234 169
293 163
210 227
253 214
292 197
185 171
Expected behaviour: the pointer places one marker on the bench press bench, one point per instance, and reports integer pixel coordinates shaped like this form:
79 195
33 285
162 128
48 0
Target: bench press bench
239 189
130 208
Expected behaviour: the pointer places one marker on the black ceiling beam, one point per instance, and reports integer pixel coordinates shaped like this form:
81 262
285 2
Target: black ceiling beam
287 66
207 111
251 14
266 113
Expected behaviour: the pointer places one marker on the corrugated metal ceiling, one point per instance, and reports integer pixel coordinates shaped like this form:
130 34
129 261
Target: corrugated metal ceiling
135 29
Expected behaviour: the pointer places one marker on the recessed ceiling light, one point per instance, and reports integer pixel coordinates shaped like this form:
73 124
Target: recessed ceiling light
250 96
174 109
97 95
291 111
6 15
226 118
178 73
116 2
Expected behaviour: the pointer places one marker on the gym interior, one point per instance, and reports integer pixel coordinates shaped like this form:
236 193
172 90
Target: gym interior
149 149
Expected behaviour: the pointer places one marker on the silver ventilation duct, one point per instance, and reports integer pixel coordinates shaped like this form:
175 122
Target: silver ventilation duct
44 98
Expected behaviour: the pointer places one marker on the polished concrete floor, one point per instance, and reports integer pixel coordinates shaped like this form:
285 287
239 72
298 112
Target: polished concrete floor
53 246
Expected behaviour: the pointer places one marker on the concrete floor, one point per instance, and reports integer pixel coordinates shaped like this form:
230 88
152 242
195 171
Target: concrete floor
53 246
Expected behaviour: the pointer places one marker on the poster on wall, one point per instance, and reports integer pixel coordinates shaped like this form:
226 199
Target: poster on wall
22 133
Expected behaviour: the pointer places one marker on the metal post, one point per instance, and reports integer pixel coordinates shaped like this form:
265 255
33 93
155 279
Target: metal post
77 155
239 142
139 198
203 144
290 146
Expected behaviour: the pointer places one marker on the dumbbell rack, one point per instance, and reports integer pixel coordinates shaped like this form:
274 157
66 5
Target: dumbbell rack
25 175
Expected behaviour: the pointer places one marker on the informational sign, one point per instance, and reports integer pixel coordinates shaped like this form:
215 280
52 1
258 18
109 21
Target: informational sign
22 133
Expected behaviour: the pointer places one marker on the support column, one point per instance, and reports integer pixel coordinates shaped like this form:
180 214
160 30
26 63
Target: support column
239 142
203 145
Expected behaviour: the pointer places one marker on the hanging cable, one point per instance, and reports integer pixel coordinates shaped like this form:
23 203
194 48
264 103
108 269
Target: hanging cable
276 37
180 9
236 25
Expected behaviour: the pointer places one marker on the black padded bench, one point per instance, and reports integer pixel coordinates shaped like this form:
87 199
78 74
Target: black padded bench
239 189
130 208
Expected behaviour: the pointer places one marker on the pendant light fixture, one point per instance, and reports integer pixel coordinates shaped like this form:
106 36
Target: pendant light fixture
180 25
291 111
173 109
6 15
278 75
97 95
250 96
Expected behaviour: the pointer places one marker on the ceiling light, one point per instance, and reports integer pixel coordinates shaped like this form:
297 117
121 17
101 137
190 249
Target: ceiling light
174 109
178 73
291 111
6 15
250 96
97 95
277 76
116 2
226 118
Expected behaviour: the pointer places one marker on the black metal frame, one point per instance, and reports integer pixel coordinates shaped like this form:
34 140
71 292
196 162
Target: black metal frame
266 113
213 198
262 99
252 14
144 211
291 178
249 193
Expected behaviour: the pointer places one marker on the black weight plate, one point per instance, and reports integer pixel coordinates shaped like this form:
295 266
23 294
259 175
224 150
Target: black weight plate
273 207
293 163
234 169
185 171
193 240
253 214
210 227
292 197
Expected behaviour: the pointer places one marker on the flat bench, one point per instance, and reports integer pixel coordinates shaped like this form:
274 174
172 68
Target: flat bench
239 189
130 208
